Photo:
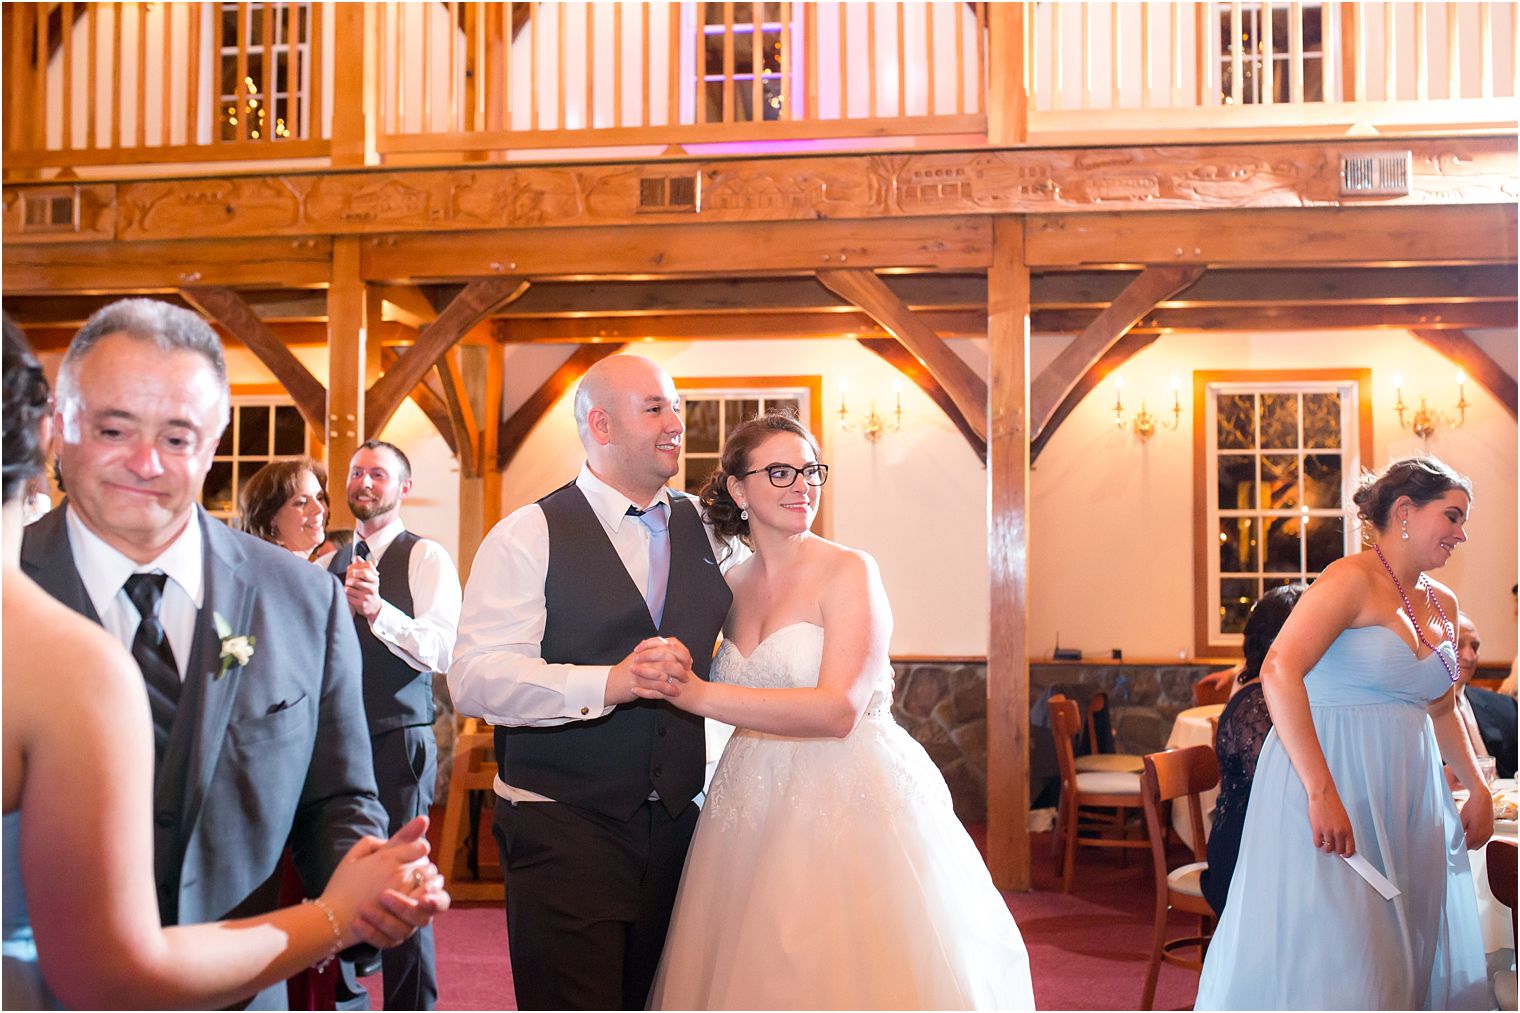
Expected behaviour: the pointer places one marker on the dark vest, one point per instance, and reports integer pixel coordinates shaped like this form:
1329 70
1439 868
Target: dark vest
596 616
396 695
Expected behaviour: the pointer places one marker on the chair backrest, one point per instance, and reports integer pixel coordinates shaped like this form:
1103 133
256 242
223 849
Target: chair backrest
1502 857
1206 692
1096 703
1065 723
1173 774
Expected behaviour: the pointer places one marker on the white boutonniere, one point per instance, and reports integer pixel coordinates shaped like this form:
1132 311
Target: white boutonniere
236 650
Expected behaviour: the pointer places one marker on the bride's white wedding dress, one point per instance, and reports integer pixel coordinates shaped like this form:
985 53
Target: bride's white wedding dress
833 873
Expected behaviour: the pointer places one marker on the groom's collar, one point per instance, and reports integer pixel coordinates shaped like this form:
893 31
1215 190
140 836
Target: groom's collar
103 569
609 504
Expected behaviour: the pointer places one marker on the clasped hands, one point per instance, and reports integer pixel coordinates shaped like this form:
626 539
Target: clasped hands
361 586
657 669
383 891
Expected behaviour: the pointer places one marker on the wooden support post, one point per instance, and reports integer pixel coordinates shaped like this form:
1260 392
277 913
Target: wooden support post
355 87
347 324
1008 559
1007 75
491 495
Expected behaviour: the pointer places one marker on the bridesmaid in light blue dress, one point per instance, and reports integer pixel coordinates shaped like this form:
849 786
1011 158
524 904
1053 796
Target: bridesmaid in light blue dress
1359 683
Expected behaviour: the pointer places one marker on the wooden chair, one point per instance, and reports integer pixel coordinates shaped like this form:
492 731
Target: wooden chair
1214 688
1116 792
1177 774
1129 763
1501 858
474 771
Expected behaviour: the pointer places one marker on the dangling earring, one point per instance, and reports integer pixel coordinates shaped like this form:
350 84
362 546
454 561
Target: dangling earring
744 515
1405 534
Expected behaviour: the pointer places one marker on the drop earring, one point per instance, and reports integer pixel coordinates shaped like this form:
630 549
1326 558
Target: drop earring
744 516
1405 533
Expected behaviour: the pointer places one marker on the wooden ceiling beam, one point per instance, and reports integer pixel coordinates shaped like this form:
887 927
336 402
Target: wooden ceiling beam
408 305
428 396
1475 362
229 310
513 431
1059 378
718 248
149 267
1295 317
467 309
713 295
461 413
871 294
1279 237
1114 357
905 363
724 326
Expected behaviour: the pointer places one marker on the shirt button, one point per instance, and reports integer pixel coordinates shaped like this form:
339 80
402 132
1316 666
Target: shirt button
585 711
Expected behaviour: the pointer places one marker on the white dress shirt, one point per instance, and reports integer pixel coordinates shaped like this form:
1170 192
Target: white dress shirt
1470 723
104 572
499 672
425 640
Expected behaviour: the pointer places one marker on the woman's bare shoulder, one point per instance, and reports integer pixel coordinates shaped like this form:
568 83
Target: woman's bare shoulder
69 660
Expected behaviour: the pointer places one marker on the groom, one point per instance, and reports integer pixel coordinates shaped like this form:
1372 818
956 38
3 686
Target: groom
248 653
596 790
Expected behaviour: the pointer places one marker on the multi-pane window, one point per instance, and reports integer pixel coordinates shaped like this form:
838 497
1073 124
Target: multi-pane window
710 415
1254 40
1281 463
262 429
255 101
741 44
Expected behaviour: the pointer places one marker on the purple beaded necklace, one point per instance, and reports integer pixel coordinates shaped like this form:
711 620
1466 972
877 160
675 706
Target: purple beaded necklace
1430 596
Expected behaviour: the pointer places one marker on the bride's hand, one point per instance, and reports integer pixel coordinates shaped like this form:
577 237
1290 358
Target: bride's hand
371 869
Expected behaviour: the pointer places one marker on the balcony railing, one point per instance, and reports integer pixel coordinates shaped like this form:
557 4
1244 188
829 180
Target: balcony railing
99 84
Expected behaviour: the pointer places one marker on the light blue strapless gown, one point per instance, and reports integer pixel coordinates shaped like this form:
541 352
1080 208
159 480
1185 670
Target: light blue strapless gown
1301 930
21 985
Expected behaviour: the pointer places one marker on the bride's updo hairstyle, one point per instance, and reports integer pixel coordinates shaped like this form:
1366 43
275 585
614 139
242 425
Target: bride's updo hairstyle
718 507
26 403
1421 478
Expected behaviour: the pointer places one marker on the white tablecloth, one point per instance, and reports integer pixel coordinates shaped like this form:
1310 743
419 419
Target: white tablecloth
1494 917
1192 729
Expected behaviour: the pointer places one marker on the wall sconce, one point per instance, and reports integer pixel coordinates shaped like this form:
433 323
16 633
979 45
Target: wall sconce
872 425
1143 422
1424 421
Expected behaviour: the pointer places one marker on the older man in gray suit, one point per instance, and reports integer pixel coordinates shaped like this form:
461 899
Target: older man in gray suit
248 653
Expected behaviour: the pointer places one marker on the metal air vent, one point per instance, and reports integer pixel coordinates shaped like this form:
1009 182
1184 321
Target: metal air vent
668 193
1380 175
50 211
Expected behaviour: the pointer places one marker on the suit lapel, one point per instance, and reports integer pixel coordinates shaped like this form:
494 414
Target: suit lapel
226 594
48 558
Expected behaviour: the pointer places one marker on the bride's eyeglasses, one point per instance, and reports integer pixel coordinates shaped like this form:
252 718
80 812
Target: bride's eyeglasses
783 475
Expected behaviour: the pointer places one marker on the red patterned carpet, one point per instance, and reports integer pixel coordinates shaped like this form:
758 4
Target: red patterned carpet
1087 949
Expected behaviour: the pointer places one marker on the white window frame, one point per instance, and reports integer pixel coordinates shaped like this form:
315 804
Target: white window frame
237 457
1351 386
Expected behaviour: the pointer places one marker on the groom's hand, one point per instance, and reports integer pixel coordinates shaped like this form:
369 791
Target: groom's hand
660 667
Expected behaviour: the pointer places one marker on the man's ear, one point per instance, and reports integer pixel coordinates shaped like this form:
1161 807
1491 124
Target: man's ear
599 425
406 488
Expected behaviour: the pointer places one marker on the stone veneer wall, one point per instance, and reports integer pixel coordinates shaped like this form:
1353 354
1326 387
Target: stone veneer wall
943 705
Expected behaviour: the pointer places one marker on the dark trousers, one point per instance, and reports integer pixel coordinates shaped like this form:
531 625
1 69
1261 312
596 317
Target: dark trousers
406 771
588 900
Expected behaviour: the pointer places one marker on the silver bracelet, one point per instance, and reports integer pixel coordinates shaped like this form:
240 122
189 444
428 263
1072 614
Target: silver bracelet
332 920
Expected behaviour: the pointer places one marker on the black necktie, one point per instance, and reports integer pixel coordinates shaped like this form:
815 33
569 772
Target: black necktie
361 549
151 651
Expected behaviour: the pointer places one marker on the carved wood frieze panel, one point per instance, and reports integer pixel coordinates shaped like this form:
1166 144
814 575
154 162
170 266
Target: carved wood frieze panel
1458 170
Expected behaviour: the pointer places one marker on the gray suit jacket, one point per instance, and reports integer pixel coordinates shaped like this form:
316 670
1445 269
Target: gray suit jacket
278 750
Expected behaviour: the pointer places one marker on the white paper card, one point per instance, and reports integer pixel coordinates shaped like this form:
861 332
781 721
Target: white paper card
1377 880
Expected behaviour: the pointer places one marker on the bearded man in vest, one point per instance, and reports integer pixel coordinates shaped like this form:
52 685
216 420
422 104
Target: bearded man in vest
404 594
597 789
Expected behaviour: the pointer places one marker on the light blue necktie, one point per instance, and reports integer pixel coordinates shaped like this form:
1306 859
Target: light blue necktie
659 558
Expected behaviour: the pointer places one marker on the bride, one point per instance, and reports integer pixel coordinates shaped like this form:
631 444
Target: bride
828 869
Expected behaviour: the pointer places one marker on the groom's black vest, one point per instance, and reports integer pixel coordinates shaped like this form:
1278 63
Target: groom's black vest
595 616
396 695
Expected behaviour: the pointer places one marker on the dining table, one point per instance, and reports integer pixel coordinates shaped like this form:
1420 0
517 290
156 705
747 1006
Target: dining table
1195 727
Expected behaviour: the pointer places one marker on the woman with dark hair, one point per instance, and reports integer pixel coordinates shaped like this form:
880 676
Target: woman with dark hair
1353 889
1243 728
285 502
828 869
81 919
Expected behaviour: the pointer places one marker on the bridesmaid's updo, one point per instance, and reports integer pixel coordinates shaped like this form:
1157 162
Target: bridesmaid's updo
1421 478
26 403
718 507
